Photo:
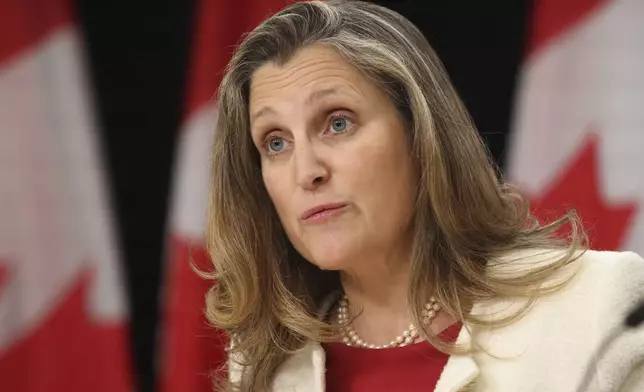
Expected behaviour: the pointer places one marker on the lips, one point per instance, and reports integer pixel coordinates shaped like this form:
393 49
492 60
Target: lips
323 210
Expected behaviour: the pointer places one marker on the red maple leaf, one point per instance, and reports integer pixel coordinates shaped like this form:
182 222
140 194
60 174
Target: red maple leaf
68 351
578 188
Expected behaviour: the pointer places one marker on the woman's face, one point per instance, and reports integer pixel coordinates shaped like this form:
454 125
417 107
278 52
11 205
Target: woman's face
334 159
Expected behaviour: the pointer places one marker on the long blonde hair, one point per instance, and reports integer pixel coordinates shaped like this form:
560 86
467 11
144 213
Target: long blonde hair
264 293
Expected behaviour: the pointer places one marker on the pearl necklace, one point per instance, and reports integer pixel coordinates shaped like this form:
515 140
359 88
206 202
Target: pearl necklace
351 338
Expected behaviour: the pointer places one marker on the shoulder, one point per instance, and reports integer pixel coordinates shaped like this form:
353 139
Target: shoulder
628 267
567 325
601 288
608 282
613 282
600 269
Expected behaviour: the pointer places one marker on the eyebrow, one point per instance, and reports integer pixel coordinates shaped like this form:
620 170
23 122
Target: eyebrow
262 112
314 96
319 94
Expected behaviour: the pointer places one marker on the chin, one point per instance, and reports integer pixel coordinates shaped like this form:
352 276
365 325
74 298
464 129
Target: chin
330 250
330 259
330 265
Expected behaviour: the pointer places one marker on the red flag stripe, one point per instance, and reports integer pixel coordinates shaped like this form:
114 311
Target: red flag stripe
25 23
220 24
192 350
551 18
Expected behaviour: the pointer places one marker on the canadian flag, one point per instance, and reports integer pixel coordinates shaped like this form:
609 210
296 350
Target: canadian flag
62 306
578 137
192 350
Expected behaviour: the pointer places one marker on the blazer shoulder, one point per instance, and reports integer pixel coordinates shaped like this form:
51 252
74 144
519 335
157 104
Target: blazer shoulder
619 271
604 283
626 259
608 284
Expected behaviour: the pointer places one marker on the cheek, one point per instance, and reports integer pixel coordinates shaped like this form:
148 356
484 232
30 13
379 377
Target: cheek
383 174
277 190
281 194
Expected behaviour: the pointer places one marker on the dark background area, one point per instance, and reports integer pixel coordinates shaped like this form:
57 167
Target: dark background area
138 54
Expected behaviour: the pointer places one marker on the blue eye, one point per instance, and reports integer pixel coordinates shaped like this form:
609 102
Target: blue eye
276 145
339 124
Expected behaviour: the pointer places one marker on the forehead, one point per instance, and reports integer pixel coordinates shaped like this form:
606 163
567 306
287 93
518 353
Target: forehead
311 68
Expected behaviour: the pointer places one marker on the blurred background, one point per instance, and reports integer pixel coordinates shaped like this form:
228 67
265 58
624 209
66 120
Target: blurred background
105 123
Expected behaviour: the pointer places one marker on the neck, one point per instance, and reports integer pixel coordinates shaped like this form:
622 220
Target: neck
377 295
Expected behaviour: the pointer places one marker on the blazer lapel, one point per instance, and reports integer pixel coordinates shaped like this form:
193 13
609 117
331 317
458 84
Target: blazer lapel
303 371
460 370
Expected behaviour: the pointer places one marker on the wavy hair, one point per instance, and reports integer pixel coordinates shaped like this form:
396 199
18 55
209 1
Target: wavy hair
265 295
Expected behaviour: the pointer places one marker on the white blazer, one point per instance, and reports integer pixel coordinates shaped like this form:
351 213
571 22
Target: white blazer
545 351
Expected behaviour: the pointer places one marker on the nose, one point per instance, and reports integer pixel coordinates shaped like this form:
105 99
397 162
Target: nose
310 169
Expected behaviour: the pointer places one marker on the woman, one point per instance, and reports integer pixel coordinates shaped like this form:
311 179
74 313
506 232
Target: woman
362 240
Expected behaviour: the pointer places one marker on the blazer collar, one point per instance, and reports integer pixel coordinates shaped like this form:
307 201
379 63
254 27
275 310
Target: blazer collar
303 371
460 370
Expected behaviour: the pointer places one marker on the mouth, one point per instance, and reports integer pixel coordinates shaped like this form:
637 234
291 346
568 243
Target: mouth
323 212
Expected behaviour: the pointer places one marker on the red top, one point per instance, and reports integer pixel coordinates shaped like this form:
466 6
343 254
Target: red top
412 368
